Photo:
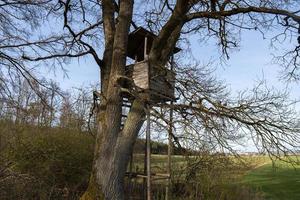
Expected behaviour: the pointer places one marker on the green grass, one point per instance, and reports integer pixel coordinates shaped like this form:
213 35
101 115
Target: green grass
279 183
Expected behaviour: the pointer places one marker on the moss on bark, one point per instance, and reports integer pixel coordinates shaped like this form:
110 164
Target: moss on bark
93 191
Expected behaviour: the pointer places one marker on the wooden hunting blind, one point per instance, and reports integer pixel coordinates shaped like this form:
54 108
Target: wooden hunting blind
157 82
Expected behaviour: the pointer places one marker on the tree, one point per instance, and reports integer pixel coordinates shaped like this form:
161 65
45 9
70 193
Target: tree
75 110
19 86
92 25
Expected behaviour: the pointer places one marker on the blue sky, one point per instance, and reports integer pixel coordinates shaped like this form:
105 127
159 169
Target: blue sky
246 66
79 72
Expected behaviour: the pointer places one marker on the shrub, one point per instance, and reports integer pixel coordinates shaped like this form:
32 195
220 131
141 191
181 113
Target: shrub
57 161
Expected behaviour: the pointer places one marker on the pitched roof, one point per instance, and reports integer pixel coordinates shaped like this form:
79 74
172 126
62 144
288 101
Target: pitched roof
136 40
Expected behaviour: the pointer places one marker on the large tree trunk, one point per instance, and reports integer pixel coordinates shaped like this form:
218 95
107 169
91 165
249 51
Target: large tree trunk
112 156
113 146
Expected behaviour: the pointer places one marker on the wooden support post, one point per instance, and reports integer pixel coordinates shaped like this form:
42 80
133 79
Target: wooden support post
145 48
135 59
130 175
148 140
170 149
145 165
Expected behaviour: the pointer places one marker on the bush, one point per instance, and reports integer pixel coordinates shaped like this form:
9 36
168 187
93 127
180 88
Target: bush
57 161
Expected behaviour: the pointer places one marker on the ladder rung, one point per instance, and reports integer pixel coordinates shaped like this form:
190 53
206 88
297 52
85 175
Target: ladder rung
125 105
155 176
126 100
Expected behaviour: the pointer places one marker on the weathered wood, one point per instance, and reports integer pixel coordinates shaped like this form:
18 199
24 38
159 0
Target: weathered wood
148 139
143 175
170 149
158 81
141 75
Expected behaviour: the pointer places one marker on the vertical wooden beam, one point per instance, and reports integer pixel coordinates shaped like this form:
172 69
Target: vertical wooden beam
170 149
148 67
146 167
145 48
130 175
148 140
135 59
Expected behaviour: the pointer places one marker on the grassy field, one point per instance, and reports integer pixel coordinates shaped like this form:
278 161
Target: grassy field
279 183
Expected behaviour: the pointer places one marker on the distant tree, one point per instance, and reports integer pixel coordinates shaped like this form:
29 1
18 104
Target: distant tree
204 105
83 102
20 88
67 117
75 110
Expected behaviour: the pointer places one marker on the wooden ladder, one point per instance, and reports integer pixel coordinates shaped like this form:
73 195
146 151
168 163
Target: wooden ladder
126 105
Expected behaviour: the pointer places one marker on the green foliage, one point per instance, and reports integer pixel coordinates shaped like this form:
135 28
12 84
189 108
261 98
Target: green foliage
57 157
55 161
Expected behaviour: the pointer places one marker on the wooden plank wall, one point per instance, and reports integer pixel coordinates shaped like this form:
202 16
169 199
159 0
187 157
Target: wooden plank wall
141 75
159 81
162 81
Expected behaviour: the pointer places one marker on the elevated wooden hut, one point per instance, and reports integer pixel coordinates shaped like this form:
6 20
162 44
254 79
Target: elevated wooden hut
157 82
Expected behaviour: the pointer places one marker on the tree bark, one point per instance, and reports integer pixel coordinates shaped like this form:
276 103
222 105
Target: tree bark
114 147
111 158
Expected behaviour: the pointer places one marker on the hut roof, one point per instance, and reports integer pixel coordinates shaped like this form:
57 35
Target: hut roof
136 42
